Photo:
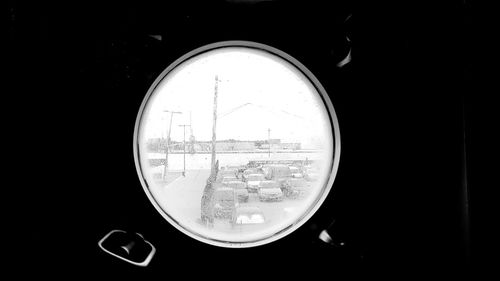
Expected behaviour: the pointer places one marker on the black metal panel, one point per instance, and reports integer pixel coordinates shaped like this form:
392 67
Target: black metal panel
399 200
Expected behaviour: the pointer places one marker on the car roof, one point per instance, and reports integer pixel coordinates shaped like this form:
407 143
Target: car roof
269 181
228 171
298 180
251 170
232 182
249 210
272 190
224 189
276 165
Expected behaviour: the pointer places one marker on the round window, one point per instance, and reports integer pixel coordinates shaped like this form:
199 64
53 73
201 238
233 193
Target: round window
236 144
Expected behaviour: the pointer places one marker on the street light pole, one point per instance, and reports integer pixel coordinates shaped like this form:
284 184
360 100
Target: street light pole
184 145
269 141
168 142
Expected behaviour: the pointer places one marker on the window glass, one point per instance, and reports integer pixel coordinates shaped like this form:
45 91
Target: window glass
236 144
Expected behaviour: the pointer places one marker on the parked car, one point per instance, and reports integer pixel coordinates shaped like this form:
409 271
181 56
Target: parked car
270 191
238 169
240 189
253 181
295 188
236 184
247 215
296 172
311 174
228 172
250 171
276 171
226 179
224 202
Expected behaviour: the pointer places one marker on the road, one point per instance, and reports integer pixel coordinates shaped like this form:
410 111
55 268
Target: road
182 196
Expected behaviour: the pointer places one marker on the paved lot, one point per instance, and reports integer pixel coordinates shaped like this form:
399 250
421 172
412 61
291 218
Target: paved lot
182 198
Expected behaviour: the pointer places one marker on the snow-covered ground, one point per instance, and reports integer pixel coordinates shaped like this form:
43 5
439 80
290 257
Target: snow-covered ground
181 199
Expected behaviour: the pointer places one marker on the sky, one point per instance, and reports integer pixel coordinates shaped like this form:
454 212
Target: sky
257 91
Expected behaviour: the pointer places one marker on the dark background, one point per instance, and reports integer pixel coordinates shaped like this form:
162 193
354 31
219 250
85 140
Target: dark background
79 71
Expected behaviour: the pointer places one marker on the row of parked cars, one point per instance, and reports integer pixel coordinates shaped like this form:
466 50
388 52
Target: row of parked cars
270 183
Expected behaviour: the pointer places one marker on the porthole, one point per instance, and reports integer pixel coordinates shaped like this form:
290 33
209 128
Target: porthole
236 144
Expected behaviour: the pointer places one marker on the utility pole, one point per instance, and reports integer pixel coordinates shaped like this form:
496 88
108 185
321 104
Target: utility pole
269 141
214 126
191 137
168 142
184 130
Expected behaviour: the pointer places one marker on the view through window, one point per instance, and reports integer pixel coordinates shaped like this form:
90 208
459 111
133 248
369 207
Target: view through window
236 144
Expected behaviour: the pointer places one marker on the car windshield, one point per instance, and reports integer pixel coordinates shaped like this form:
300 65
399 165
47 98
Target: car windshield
246 219
224 194
236 184
250 171
268 184
255 177
296 183
281 171
230 178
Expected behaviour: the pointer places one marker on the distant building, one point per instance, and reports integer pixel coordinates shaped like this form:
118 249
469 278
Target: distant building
160 144
234 145
274 141
276 144
291 146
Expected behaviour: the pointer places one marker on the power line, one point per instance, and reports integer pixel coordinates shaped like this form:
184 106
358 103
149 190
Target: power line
260 106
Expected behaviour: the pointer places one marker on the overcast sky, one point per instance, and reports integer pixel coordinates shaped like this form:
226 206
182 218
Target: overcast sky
257 91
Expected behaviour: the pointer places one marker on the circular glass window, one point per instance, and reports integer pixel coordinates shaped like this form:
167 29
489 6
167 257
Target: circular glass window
236 144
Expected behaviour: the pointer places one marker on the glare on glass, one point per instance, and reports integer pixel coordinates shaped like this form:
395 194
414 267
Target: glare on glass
236 144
